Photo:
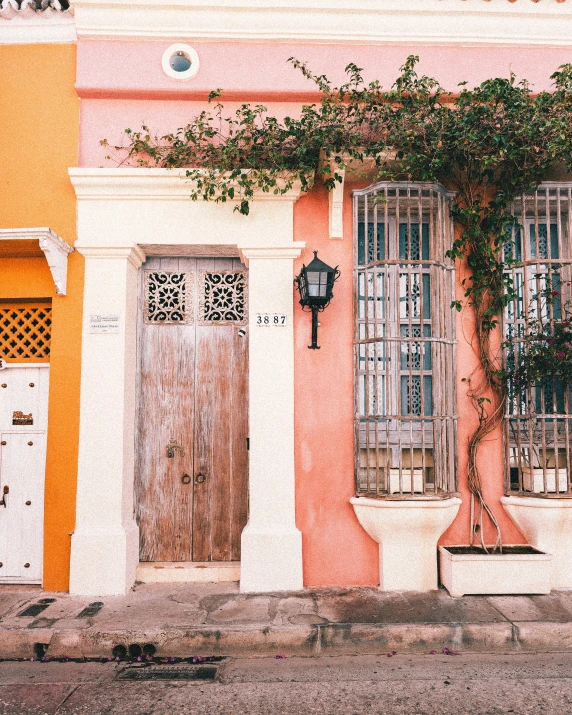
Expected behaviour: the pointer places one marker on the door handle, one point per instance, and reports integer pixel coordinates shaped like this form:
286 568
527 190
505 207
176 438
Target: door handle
172 447
200 478
5 491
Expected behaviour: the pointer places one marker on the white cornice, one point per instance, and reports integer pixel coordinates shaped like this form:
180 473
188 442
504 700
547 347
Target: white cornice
27 27
134 254
291 251
137 184
448 22
55 249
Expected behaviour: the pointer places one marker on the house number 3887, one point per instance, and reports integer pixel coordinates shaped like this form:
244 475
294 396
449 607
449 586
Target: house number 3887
268 320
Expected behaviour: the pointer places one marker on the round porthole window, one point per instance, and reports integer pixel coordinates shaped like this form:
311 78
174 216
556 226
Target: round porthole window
180 62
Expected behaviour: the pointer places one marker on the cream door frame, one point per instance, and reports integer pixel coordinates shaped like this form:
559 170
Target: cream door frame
121 214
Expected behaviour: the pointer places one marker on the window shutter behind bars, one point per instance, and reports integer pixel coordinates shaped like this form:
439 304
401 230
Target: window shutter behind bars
538 421
405 423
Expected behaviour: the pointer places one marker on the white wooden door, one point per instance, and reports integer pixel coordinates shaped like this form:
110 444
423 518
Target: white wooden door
23 426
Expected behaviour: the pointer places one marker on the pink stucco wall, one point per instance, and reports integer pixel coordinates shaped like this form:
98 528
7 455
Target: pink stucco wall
491 454
245 69
336 550
121 85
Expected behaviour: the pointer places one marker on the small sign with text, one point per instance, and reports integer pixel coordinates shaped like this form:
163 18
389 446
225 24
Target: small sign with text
104 323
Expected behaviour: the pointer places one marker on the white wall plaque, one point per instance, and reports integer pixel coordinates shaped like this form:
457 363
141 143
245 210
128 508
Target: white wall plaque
104 323
270 320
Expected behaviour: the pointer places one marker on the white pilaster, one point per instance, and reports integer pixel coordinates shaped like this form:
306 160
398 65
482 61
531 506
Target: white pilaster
105 543
336 206
271 546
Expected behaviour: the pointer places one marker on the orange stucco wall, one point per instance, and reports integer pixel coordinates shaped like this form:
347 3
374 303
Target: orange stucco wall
39 125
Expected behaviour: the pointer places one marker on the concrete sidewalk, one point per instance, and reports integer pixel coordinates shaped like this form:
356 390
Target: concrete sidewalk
215 619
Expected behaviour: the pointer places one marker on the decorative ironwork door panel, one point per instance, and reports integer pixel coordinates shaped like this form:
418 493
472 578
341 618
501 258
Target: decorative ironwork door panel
23 423
192 462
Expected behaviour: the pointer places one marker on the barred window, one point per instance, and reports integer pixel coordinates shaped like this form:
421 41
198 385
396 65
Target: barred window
538 420
405 422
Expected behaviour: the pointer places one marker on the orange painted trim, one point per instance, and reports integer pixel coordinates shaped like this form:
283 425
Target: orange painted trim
87 92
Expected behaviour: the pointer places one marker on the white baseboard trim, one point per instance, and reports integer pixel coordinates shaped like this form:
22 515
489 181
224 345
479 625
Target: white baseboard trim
188 571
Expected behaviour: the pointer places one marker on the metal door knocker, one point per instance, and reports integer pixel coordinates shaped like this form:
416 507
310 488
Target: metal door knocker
200 478
186 479
172 447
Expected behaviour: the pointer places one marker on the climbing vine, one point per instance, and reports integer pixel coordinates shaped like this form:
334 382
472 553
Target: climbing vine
488 144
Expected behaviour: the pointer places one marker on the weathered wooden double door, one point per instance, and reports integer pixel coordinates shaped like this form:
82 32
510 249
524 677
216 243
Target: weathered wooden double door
192 462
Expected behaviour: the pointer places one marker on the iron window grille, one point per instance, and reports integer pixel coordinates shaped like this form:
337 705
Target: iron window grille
405 420
538 418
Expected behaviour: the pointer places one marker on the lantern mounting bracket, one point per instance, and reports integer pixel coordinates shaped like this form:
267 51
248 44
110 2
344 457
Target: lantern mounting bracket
315 284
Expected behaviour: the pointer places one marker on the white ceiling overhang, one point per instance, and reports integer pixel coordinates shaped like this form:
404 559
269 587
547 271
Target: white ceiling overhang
37 243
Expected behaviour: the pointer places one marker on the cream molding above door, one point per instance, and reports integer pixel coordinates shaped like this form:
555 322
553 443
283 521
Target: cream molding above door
119 208
142 183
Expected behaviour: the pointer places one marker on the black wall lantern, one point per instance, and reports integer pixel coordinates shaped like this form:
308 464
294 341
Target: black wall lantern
316 285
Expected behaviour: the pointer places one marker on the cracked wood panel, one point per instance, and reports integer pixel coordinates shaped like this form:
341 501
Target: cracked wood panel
238 436
219 510
166 413
193 389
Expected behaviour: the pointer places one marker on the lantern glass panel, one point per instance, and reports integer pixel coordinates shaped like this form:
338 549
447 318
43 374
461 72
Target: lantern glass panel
317 283
303 287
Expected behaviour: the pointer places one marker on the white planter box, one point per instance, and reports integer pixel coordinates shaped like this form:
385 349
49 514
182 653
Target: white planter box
506 573
405 481
533 480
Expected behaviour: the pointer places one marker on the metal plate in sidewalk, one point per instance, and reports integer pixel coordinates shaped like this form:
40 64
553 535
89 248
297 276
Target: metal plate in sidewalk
90 610
169 672
36 608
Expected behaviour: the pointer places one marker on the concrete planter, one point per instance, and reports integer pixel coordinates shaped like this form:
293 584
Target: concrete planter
407 531
518 570
547 524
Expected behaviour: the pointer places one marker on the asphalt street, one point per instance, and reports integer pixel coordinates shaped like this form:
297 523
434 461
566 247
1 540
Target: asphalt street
422 684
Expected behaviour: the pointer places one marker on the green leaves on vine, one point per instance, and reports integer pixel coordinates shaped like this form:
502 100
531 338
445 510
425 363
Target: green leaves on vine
488 144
